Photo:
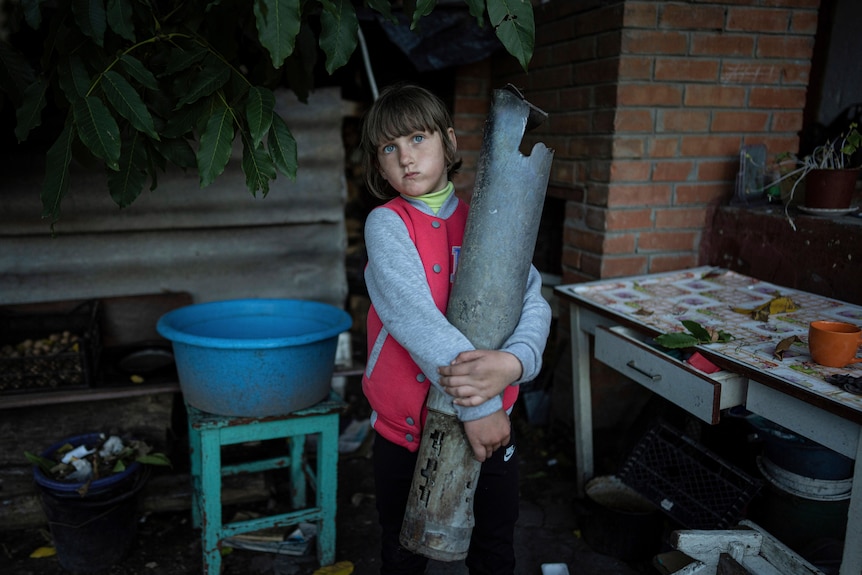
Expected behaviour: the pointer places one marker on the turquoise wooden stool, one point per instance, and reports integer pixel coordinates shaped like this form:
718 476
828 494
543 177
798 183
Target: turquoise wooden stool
209 432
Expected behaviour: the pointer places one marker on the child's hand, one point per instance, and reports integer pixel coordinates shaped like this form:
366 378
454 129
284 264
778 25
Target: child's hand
488 434
478 375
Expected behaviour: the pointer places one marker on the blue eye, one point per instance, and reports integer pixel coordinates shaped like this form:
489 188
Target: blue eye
388 148
418 138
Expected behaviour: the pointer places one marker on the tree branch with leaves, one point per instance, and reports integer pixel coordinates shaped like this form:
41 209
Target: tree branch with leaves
146 83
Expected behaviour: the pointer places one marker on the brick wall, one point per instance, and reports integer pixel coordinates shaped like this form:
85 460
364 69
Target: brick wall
649 103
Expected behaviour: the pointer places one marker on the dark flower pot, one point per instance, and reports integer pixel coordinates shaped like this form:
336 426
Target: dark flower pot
830 189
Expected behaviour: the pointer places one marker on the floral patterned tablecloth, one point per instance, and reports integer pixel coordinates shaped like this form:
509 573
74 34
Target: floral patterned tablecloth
718 298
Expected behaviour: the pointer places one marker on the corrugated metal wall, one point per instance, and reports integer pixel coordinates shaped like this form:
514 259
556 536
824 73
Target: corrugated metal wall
219 242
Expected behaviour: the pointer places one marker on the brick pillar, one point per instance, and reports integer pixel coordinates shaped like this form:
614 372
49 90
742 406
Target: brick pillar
649 103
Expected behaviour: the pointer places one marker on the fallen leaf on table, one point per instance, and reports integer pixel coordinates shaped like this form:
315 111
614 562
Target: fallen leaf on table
780 304
43 552
784 345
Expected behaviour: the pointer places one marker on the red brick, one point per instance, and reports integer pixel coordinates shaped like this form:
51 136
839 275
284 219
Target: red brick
595 72
703 193
640 15
599 170
758 19
686 69
677 218
608 44
717 170
672 262
777 98
619 243
627 219
682 120
602 19
555 77
575 50
673 171
667 241
752 72
635 68
693 146
714 96
571 259
624 147
625 195
653 42
660 147
803 22
688 17
739 121
719 44
792 47
796 73
630 171
633 120
649 95
620 266
575 98
786 121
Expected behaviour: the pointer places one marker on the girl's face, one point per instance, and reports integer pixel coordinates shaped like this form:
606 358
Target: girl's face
415 164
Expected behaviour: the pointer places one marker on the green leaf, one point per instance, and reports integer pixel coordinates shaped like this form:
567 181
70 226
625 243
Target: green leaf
128 103
385 8
136 70
423 8
278 23
91 18
98 130
56 182
46 465
338 34
127 183
514 26
119 466
29 114
154 459
282 147
209 78
215 146
258 111
74 79
15 73
32 13
676 340
181 59
177 151
477 10
697 330
119 18
258 168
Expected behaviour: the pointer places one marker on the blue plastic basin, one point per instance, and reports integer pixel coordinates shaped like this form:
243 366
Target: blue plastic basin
254 357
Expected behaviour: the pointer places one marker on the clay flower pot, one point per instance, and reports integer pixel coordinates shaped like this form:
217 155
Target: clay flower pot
830 189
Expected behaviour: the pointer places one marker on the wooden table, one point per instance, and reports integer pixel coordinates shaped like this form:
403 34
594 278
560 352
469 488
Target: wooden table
624 314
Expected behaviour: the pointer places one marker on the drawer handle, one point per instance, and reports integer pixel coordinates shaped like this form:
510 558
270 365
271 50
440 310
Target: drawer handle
652 376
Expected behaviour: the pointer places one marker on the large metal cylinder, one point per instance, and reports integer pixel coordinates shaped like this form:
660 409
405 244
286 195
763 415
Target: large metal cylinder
485 305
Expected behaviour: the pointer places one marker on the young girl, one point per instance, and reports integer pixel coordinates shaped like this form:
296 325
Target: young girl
413 242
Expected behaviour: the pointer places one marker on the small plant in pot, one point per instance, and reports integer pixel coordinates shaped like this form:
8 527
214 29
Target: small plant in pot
830 172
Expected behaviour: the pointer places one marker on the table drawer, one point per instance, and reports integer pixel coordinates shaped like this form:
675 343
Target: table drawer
703 395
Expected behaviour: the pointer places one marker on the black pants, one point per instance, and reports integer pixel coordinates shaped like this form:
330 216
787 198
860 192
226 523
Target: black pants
495 510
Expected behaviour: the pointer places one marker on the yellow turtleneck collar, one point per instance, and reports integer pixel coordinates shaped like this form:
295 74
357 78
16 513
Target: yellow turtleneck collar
434 200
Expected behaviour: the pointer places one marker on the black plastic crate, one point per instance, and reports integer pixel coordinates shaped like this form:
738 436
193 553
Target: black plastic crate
690 483
49 351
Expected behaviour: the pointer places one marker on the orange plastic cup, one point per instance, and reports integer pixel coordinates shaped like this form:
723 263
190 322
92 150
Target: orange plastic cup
834 343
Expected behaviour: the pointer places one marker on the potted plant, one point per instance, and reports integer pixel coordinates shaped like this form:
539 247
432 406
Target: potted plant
830 172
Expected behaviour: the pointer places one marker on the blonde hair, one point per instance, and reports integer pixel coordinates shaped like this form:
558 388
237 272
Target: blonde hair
402 109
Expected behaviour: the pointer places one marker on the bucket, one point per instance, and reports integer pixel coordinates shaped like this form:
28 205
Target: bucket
798 454
254 357
94 531
619 521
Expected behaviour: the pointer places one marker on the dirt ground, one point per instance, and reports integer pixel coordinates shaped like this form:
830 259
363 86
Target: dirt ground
547 532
